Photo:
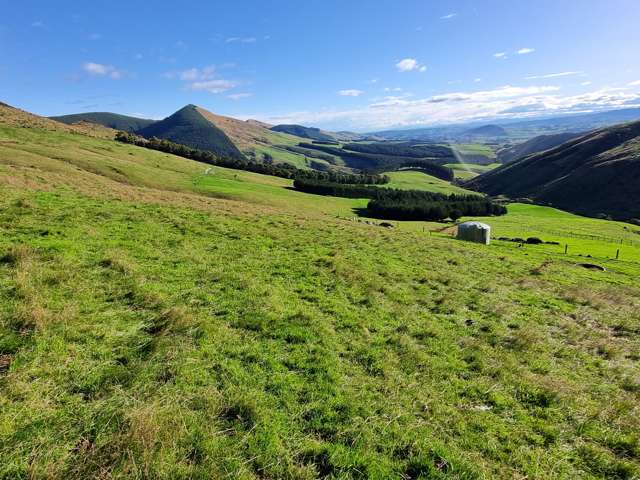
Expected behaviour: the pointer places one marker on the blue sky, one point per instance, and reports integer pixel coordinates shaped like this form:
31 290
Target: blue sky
361 65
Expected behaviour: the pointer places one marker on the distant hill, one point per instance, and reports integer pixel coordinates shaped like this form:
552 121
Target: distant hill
107 119
305 132
190 127
14 117
485 131
535 145
519 128
596 173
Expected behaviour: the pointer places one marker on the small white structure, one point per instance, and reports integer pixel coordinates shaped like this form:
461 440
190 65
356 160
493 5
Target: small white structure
474 232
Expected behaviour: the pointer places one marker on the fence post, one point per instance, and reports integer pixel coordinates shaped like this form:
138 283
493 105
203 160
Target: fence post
617 254
566 247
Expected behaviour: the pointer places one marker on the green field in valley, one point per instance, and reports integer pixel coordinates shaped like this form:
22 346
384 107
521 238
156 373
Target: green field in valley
466 171
412 180
161 318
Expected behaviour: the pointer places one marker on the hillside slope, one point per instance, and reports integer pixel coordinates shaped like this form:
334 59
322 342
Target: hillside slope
310 133
163 320
189 127
14 117
535 145
107 119
597 173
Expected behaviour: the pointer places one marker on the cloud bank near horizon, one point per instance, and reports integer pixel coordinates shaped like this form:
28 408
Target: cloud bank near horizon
502 102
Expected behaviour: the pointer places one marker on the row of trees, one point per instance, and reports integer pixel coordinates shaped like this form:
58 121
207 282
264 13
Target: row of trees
402 149
389 209
438 171
395 204
267 168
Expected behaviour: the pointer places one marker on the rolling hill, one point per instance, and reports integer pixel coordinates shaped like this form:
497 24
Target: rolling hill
490 131
594 174
310 133
535 145
160 319
190 127
106 119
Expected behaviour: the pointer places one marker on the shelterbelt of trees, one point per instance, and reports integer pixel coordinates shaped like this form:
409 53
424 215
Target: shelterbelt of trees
280 170
394 204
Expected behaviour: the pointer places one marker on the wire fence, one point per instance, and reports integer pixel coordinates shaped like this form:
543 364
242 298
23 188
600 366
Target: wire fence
584 236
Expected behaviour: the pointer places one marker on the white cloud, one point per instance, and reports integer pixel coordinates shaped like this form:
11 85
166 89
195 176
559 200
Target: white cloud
552 75
239 96
477 80
635 83
449 16
394 89
350 93
410 64
524 51
241 40
37 24
212 86
101 70
585 84
500 55
504 102
205 79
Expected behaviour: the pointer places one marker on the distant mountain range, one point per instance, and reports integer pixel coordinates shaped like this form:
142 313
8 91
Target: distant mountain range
594 174
485 131
518 130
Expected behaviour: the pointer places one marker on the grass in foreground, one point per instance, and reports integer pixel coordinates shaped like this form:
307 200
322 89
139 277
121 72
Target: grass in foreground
145 341
157 321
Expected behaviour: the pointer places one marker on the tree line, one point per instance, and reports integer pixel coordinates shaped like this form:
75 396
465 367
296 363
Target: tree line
282 170
395 204
402 149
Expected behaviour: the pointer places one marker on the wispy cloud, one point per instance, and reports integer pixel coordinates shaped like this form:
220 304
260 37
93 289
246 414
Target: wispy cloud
239 96
448 16
500 55
410 65
202 79
586 84
101 70
241 40
350 93
552 75
635 83
37 24
477 80
212 86
524 51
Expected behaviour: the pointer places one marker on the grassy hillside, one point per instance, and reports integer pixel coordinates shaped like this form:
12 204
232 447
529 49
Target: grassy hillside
597 173
310 133
162 320
107 119
535 145
189 127
409 180
466 171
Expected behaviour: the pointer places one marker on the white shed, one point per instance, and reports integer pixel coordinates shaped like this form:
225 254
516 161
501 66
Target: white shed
474 232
